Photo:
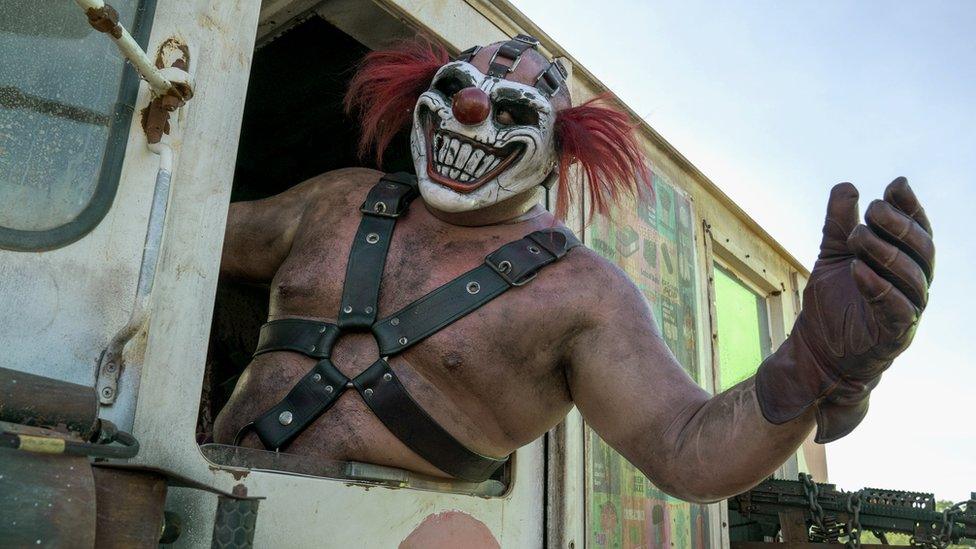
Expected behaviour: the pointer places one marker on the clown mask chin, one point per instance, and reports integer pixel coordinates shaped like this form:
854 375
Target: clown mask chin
478 140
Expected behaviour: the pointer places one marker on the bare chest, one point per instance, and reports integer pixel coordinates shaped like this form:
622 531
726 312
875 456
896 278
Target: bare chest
512 334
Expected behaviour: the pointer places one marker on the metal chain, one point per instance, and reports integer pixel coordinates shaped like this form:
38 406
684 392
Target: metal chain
825 528
944 538
948 515
854 522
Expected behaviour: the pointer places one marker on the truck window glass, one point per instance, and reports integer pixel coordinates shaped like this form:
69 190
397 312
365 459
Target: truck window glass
66 101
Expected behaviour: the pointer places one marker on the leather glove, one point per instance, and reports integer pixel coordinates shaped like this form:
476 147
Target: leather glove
860 309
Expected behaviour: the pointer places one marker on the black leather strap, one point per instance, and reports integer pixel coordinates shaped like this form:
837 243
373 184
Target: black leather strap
389 400
550 80
315 393
309 337
468 54
386 201
509 51
514 264
382 391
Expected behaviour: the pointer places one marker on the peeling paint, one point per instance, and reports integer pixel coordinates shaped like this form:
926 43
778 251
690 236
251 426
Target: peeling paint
448 530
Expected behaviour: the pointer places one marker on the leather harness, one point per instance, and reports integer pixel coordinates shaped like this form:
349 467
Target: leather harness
514 264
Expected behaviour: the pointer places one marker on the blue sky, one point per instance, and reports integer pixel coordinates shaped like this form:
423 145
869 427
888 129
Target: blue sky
776 102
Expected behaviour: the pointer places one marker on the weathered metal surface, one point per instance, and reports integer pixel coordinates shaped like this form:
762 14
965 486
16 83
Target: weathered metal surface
176 479
46 500
129 507
247 459
44 402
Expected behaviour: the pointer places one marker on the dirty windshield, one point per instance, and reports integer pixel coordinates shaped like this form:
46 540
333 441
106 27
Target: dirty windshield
65 106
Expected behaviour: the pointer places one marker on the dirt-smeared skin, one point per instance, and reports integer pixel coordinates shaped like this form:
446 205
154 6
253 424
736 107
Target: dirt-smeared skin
502 376
486 378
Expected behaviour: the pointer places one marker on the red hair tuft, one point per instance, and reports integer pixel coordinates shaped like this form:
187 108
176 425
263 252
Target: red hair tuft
385 88
611 161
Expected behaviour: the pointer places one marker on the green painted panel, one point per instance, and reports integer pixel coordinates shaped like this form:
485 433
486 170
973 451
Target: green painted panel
743 328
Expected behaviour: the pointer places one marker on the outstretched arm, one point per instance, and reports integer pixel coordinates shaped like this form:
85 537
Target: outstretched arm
632 391
861 307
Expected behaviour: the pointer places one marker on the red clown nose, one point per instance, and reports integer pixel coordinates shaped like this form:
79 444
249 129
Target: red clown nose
471 106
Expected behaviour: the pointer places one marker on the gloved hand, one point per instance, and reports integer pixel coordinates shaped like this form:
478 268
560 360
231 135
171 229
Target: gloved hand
860 309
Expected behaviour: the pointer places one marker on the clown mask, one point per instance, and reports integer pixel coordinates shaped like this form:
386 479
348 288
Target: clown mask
493 124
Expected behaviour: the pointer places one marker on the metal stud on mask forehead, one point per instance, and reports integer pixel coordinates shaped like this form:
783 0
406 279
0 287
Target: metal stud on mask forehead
482 137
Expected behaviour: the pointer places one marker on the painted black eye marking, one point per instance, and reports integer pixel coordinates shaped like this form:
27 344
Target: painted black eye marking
515 113
452 81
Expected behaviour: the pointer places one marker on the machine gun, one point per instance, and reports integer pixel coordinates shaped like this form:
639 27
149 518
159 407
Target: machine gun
804 511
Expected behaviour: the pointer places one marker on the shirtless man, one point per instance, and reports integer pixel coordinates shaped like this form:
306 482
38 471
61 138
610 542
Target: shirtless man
580 333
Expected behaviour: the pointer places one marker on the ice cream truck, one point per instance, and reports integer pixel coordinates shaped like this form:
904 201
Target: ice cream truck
125 132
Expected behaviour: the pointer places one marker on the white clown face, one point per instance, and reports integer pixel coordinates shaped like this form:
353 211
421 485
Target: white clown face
468 162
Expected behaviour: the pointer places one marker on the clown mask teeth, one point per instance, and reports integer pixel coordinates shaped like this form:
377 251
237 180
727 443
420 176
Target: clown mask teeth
461 160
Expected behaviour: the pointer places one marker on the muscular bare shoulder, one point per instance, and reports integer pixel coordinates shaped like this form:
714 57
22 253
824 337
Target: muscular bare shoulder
595 280
338 188
260 233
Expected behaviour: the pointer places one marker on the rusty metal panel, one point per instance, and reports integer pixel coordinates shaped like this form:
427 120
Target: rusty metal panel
129 508
46 501
45 402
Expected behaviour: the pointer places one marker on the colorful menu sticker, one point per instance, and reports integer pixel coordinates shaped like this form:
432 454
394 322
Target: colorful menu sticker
654 243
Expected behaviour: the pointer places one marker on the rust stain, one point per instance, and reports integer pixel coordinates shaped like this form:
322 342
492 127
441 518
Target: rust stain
448 530
166 49
238 474
105 19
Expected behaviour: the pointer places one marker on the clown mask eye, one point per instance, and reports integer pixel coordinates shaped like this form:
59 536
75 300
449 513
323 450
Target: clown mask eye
453 80
510 113
449 86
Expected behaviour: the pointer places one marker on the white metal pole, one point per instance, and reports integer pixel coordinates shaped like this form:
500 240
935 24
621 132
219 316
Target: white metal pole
105 19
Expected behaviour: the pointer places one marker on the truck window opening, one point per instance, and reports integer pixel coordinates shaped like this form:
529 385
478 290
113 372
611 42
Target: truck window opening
294 128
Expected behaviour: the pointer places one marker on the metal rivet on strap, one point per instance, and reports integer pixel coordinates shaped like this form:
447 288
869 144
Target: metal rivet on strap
387 377
379 207
473 287
317 378
505 266
329 389
369 310
312 349
285 418
394 321
323 329
368 392
347 309
372 238
350 384
533 250
403 341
